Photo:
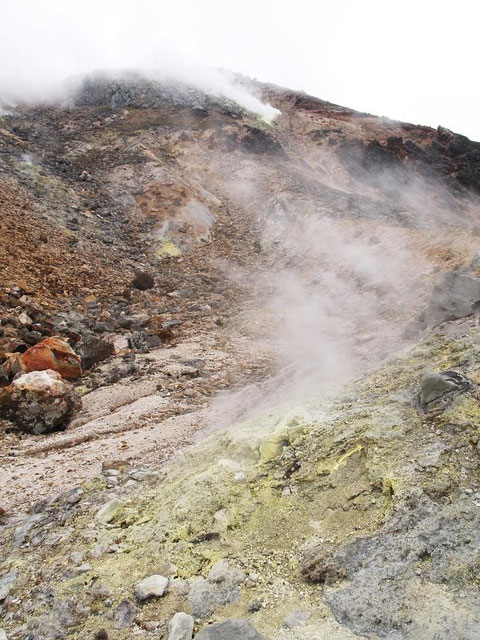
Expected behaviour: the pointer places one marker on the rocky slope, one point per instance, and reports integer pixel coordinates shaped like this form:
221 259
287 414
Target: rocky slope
289 265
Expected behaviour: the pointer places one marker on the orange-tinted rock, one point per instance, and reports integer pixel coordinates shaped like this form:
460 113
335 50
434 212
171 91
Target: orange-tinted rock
52 353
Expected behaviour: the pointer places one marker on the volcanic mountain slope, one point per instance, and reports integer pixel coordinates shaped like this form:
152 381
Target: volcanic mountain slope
306 244
281 260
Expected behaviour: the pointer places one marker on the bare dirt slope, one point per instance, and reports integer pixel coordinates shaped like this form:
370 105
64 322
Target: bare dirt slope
302 246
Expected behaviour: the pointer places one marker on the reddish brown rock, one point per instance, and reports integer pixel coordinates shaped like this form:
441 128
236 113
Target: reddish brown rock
143 280
52 353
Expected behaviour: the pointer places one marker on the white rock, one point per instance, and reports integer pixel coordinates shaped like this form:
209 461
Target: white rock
76 557
3 635
296 618
24 319
84 568
109 510
98 550
153 586
180 627
120 343
6 584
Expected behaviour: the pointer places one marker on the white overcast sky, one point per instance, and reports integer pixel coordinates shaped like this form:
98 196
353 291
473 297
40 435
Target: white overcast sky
410 60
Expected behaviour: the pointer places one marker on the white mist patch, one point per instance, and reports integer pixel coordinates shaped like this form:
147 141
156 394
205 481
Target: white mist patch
219 83
222 84
79 40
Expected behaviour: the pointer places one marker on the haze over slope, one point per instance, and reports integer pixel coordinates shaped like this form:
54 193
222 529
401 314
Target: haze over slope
401 61
243 268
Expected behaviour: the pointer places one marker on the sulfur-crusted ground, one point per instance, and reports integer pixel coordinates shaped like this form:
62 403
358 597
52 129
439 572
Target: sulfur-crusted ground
317 496
379 503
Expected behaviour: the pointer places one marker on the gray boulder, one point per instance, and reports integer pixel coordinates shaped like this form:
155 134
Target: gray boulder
151 587
453 297
39 401
221 587
415 577
437 390
296 618
234 629
180 627
6 584
124 614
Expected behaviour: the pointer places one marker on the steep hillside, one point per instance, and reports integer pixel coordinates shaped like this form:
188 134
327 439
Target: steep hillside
302 288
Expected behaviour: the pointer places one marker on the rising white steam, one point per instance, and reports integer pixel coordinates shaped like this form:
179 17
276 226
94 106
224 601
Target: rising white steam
43 44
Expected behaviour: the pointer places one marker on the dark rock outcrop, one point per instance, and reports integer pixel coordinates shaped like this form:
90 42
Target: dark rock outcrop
386 581
393 577
93 350
255 140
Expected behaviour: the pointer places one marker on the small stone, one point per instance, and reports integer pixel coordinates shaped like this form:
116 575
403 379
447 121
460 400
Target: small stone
315 560
109 510
254 605
93 350
296 618
3 635
84 568
233 629
74 496
111 472
124 614
119 342
143 280
98 550
219 588
6 584
101 634
25 319
76 558
153 586
142 475
151 625
180 627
